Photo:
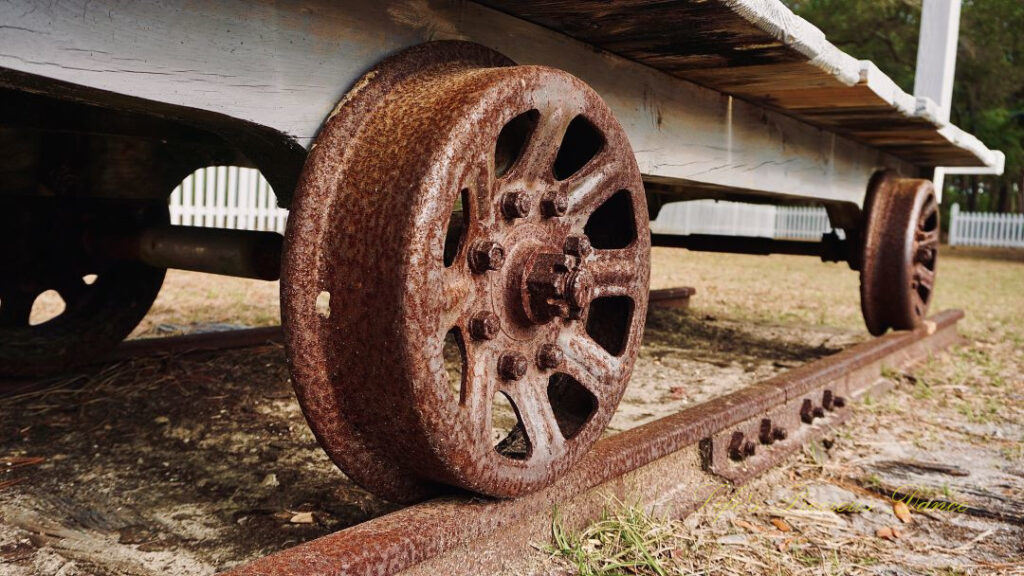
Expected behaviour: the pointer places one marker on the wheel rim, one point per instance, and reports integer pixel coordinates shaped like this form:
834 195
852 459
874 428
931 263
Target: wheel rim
924 252
104 299
539 284
900 252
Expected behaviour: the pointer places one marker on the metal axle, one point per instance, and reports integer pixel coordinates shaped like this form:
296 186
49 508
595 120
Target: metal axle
830 249
241 253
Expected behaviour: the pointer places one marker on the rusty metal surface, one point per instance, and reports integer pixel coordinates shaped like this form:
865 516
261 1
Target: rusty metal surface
239 253
665 464
549 250
901 242
43 249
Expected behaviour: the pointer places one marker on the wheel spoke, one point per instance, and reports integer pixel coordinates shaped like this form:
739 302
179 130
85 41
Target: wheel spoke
589 363
458 295
538 158
927 238
538 418
588 188
615 272
924 277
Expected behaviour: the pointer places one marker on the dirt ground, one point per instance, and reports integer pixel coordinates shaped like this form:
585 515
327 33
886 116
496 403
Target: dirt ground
192 464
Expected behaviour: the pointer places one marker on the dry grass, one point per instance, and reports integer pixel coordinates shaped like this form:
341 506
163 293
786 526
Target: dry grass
193 298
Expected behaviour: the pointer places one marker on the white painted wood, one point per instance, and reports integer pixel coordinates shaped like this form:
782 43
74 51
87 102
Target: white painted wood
936 53
285 65
996 169
985 229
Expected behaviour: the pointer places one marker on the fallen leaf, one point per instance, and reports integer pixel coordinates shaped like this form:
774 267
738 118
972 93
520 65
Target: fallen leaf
889 533
747 525
781 525
901 510
302 518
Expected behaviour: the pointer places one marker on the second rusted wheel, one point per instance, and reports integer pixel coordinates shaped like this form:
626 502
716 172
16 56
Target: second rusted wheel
901 242
465 230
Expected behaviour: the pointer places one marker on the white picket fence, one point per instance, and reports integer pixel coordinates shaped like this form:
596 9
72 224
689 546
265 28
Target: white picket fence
227 197
739 219
985 229
240 198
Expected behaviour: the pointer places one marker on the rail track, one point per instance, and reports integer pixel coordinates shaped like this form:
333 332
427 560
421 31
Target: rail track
671 465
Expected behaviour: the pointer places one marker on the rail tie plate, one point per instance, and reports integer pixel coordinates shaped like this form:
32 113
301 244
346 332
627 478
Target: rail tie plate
671 465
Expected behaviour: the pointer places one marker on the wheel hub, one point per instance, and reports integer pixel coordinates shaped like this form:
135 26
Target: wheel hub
557 285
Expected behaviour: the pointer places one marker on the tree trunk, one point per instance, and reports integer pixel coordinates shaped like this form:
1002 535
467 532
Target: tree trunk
1020 195
1003 202
972 194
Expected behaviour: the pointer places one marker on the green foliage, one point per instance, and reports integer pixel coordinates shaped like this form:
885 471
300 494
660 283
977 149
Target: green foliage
988 91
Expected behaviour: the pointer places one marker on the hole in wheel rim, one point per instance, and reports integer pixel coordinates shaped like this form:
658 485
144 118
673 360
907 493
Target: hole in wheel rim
458 222
508 433
512 141
608 322
613 225
454 354
581 142
571 402
46 307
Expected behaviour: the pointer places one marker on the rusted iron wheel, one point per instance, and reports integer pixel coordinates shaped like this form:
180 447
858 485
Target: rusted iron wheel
901 242
45 247
464 230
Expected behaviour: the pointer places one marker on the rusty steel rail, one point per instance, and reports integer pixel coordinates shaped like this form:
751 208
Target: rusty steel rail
670 465
205 341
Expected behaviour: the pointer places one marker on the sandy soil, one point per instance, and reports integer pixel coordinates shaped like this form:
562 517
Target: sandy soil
192 464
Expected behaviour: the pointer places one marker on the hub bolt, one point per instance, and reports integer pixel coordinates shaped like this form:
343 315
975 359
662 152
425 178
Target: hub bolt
512 366
549 357
819 412
578 246
554 205
749 448
484 326
515 205
826 400
839 401
736 446
765 434
806 411
779 433
486 255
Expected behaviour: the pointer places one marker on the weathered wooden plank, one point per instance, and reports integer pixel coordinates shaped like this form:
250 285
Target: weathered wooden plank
760 51
285 65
